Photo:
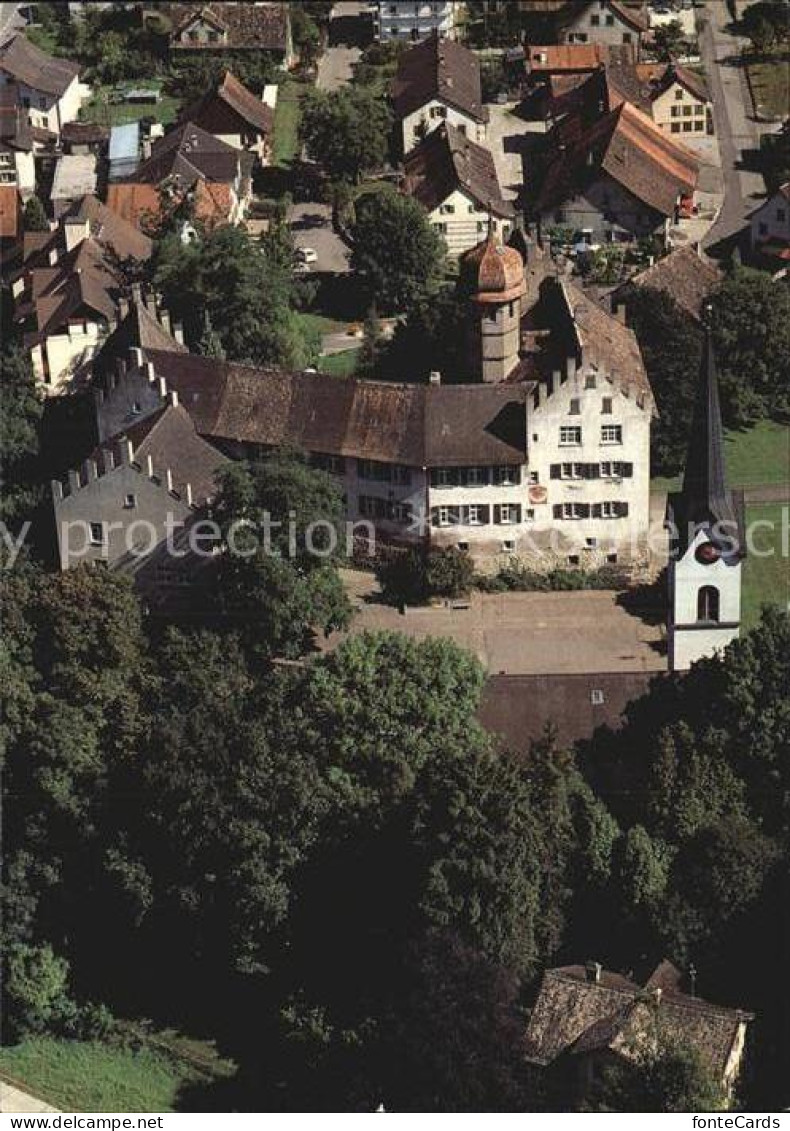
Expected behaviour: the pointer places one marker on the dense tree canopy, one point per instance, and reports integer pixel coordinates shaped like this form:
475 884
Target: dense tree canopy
347 130
20 412
396 251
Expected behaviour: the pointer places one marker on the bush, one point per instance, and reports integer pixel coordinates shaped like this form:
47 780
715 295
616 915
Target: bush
36 998
412 577
516 577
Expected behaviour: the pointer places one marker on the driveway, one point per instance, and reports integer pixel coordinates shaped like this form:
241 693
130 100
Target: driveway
523 633
349 26
735 128
510 138
15 1101
311 226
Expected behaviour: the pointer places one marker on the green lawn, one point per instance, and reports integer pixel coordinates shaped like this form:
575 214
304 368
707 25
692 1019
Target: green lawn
321 324
286 123
757 457
339 364
766 580
770 82
101 109
88 1076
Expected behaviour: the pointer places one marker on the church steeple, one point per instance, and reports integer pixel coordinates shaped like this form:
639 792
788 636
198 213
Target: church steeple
704 482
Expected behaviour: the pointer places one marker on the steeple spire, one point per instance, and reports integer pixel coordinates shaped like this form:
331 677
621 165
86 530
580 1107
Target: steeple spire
704 483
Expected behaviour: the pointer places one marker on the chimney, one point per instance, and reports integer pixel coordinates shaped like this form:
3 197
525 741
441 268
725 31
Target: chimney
146 148
137 292
593 971
178 333
173 397
123 307
75 231
620 312
435 377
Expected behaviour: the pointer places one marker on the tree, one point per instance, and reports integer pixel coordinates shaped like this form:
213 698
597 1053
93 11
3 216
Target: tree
347 130
282 525
765 23
21 409
667 1075
306 35
671 345
751 319
669 40
34 217
371 348
245 288
412 576
210 344
396 251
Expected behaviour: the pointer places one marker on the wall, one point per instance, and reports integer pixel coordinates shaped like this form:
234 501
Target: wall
131 395
421 122
686 578
679 113
597 23
772 220
604 197
59 357
48 111
466 225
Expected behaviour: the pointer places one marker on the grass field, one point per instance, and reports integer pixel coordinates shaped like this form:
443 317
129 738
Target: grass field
757 457
321 323
339 364
101 109
87 1076
286 123
770 82
766 580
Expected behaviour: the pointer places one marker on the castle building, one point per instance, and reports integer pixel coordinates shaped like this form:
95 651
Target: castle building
707 537
546 458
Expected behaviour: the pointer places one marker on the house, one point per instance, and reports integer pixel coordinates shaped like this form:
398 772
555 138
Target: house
17 163
82 138
67 291
438 81
124 151
455 181
549 462
687 275
48 88
618 179
75 177
187 160
681 102
586 1017
411 21
769 228
230 27
579 100
609 22
232 113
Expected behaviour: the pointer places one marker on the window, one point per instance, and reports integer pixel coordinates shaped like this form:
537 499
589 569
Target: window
401 512
699 126
596 697
447 209
575 407
611 433
534 477
606 406
476 476
438 111
445 516
708 603
509 513
572 510
595 21
675 112
370 469
589 381
507 476
475 515
573 559
781 215
443 477
482 225
570 434
508 545
401 475
699 110
626 37
617 509
686 111
687 127
440 228
609 21
611 559
762 229
463 547
676 127
591 543
129 502
97 533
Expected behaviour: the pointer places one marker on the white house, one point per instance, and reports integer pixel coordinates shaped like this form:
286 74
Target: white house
707 538
609 22
48 88
438 81
455 180
770 227
17 163
679 98
407 20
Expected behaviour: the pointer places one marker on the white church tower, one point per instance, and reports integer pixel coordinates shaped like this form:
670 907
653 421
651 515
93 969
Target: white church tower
707 537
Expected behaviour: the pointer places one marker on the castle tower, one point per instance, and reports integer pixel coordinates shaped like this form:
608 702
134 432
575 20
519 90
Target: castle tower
707 537
493 278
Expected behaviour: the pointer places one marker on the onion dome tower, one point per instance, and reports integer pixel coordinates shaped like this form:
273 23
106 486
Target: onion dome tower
492 276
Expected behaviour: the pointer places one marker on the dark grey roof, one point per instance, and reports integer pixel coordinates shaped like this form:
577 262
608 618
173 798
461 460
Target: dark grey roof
30 65
438 68
705 499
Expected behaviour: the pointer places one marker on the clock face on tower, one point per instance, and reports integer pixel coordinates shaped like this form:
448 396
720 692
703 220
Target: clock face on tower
707 553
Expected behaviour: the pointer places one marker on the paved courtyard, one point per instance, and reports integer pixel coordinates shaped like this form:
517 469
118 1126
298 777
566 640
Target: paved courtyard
311 226
509 138
524 633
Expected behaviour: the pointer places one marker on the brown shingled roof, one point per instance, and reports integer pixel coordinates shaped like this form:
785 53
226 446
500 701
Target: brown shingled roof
441 69
576 1013
418 425
685 275
661 76
573 58
447 160
241 101
28 64
261 26
189 152
169 438
628 146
